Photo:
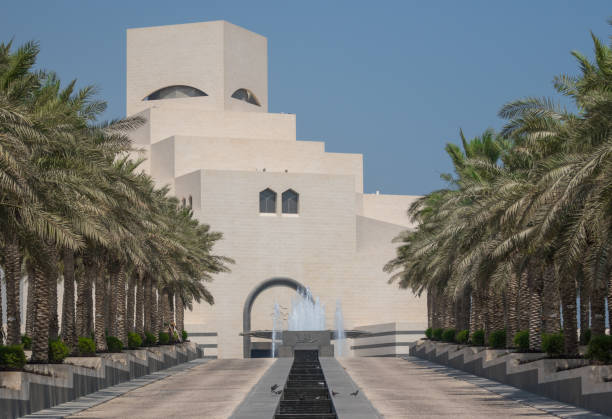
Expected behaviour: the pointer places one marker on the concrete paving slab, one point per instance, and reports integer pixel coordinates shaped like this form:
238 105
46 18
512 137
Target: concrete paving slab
400 388
212 390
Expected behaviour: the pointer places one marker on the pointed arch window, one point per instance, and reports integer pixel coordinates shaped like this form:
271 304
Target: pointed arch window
183 202
267 201
190 201
290 200
175 92
247 96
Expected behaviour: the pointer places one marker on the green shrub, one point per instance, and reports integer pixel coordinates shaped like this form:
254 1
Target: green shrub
134 340
175 337
552 343
497 339
150 339
449 335
600 349
164 338
429 333
462 337
585 337
114 344
478 338
26 341
12 357
87 346
185 335
437 334
521 340
58 350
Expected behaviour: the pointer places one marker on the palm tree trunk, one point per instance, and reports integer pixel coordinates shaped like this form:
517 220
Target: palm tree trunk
512 300
42 285
489 314
139 328
523 301
598 310
148 304
89 306
180 315
100 324
130 305
108 304
12 278
610 302
155 320
68 314
429 308
118 296
31 306
53 297
165 310
84 288
551 317
171 307
570 326
535 312
585 302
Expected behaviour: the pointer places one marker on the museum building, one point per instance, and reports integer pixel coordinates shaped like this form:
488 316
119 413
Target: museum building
292 215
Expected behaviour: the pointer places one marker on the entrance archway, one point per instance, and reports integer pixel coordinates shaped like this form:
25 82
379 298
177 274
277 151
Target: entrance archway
248 305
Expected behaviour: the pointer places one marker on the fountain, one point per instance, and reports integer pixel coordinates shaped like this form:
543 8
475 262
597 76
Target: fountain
306 328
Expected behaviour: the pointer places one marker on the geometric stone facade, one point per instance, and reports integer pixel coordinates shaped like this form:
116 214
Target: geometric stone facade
210 137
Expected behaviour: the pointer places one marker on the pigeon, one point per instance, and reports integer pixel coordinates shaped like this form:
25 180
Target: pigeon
279 391
334 393
354 394
274 387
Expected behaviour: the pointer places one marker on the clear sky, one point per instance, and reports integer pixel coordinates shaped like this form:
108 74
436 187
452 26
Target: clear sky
394 80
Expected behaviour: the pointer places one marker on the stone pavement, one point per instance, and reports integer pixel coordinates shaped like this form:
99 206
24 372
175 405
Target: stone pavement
212 390
411 388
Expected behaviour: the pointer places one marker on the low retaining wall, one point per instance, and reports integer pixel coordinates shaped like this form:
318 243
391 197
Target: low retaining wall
568 380
45 385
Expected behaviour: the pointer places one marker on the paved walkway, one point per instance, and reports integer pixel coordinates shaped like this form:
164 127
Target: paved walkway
212 390
414 388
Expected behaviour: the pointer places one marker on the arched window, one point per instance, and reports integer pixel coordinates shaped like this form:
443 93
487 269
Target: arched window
290 201
183 202
175 92
190 200
246 95
267 201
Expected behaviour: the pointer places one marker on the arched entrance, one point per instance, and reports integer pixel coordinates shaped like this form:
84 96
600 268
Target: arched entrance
248 305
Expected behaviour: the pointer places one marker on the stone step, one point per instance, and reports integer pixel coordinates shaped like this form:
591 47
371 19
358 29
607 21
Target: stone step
305 406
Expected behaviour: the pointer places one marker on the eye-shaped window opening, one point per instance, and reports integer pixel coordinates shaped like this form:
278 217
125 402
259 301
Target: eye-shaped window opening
267 201
290 201
246 95
175 92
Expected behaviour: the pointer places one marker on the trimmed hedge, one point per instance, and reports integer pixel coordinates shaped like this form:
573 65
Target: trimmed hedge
114 344
149 339
478 338
164 338
462 337
12 357
86 346
26 341
437 334
585 337
521 340
429 333
552 343
185 335
449 335
58 351
600 349
497 339
134 340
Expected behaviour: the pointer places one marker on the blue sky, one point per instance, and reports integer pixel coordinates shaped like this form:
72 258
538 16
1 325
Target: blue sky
394 80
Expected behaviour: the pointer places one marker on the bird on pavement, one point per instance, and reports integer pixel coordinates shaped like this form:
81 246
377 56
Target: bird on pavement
334 393
274 387
279 391
354 394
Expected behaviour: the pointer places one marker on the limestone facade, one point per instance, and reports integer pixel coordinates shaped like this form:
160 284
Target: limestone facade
220 152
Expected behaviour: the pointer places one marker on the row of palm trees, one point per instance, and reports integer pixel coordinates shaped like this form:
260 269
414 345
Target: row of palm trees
74 208
523 232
